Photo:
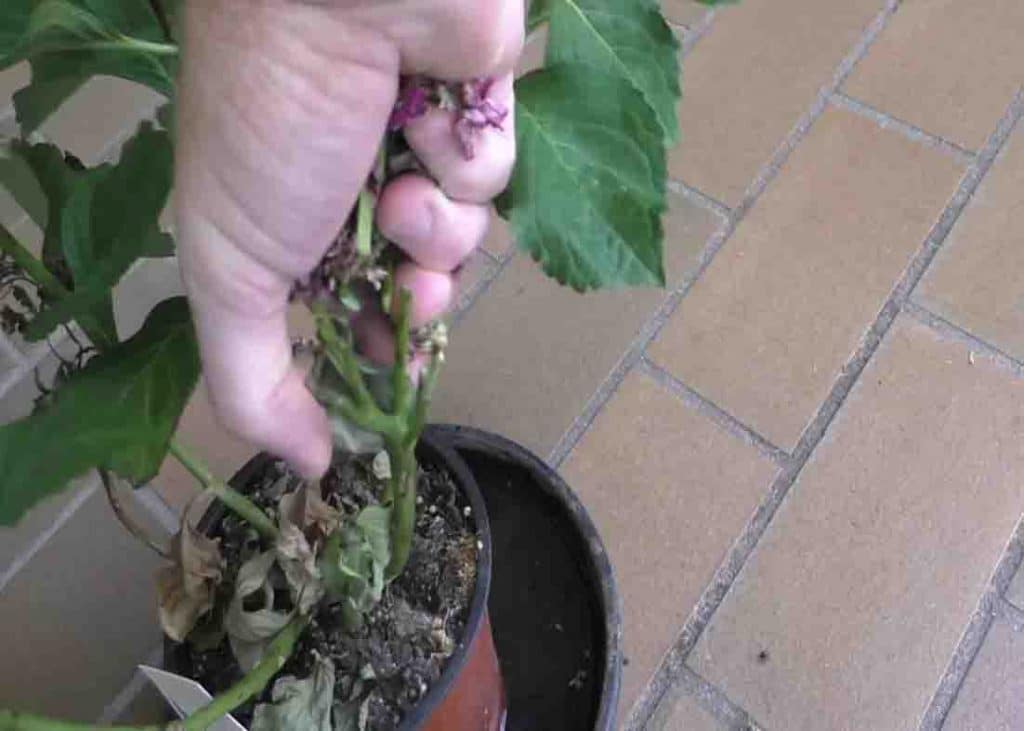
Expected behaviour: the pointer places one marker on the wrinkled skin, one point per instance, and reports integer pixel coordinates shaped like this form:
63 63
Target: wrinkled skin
282 105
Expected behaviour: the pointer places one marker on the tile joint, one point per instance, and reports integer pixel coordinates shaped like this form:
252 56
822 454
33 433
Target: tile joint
713 411
911 132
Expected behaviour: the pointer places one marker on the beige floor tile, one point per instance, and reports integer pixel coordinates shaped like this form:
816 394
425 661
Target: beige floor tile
97 114
11 80
949 67
148 707
528 356
992 696
85 613
976 279
669 491
862 585
750 79
768 328
477 267
199 429
679 711
683 12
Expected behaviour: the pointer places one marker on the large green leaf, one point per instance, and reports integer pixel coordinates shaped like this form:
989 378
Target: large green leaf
100 221
588 189
69 41
625 38
118 413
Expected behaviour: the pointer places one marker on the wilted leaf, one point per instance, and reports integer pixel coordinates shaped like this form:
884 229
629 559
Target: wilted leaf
628 39
588 189
307 509
69 41
355 557
251 630
186 587
298 562
299 705
118 412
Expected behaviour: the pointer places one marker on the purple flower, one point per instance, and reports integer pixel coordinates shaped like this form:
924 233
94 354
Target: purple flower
411 103
477 113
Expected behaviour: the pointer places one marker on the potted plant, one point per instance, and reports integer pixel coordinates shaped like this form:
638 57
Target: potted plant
359 602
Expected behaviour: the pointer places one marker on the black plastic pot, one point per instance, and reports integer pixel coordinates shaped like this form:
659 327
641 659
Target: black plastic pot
469 694
554 605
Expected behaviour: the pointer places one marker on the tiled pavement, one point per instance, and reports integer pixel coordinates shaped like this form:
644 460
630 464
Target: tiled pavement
806 456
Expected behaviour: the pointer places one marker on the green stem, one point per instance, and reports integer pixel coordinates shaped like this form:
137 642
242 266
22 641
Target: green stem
364 224
49 285
233 499
399 373
402 488
274 658
133 45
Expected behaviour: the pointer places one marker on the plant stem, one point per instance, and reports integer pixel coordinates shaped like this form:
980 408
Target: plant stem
43 277
233 499
133 45
364 224
402 487
274 658
401 383
49 285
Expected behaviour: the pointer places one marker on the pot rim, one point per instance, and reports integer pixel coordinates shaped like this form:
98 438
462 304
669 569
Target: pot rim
603 576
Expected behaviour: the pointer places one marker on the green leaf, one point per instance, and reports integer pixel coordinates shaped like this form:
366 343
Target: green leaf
119 413
69 41
355 557
299 705
100 221
588 189
14 18
625 38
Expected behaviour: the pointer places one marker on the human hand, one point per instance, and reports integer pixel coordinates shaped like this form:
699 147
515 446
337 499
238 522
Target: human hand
281 109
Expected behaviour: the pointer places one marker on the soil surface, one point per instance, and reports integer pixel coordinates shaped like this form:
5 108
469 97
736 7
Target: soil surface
402 648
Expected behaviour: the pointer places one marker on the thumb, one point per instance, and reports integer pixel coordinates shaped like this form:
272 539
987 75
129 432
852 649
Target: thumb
255 388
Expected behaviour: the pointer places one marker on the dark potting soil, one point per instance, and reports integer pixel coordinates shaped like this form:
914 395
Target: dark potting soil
405 641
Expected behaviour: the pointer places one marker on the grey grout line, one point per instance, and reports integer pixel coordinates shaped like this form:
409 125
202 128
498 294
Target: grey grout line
989 605
127 695
22 559
153 503
886 121
952 331
712 411
697 31
767 173
471 298
713 700
1009 612
974 633
815 431
699 198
